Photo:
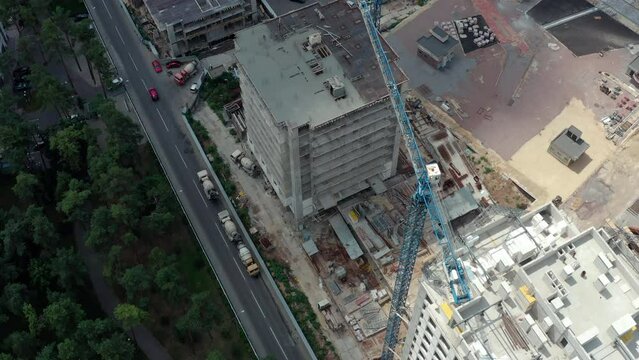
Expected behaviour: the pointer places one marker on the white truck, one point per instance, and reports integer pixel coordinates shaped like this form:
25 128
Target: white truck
248 165
247 259
229 226
207 185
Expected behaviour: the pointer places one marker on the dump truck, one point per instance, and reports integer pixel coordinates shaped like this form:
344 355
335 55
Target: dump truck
247 259
207 185
189 70
229 226
244 162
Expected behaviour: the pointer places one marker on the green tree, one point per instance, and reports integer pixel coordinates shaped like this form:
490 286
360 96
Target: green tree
115 347
73 201
9 10
130 316
21 344
70 142
69 349
68 268
215 355
113 266
42 229
33 321
60 17
103 228
14 297
135 281
95 54
62 316
54 44
26 186
114 183
50 92
169 281
158 221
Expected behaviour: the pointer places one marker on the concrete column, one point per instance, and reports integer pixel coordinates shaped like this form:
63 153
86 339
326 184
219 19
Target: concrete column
296 176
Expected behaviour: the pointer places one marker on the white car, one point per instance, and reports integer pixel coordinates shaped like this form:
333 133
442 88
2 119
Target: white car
194 87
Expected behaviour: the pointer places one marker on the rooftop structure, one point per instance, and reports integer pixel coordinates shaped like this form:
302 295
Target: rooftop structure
437 48
541 290
568 146
194 25
314 95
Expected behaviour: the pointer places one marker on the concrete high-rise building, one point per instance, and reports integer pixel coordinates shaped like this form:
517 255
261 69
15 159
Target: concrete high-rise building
190 26
318 116
541 290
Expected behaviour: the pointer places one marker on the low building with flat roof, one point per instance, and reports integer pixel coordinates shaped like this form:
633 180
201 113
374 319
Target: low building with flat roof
438 48
191 26
568 146
319 118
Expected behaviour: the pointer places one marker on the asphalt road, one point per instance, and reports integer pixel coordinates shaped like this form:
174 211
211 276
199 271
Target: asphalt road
250 298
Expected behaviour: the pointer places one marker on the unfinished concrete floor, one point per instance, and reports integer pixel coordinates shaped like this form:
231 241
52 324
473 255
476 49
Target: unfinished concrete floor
269 215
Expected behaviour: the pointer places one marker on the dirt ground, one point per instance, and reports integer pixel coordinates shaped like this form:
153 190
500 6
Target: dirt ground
548 173
611 190
270 216
509 92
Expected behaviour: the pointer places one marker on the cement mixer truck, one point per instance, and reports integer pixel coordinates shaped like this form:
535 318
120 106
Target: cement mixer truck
207 185
229 226
247 259
184 74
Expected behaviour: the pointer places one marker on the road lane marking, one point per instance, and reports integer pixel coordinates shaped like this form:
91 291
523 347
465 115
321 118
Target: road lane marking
278 343
220 230
199 192
107 9
166 127
179 153
120 35
134 65
239 268
258 304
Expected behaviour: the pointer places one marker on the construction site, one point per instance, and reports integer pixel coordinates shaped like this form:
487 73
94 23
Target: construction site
544 253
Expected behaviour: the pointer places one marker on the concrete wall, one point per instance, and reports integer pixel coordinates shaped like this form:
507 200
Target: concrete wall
311 166
428 336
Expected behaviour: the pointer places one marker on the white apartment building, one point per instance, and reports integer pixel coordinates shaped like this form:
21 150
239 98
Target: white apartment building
541 290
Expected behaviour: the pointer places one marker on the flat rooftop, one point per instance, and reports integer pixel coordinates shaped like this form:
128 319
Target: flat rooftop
167 12
592 302
276 62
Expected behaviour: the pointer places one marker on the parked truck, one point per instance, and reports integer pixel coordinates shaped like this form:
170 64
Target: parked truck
229 226
189 70
207 185
247 259
245 163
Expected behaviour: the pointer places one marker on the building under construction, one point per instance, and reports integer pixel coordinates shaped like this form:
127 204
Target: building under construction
318 116
189 26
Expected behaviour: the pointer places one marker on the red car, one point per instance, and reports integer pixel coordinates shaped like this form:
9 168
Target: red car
154 94
157 66
173 64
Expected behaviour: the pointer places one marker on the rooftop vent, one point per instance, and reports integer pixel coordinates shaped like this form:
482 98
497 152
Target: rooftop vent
336 87
315 39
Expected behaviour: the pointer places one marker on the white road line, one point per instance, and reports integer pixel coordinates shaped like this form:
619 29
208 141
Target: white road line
120 35
179 153
199 192
144 84
135 66
107 9
239 268
258 304
278 343
166 127
220 230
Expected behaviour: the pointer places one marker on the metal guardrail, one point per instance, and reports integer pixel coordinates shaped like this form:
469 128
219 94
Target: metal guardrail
166 175
266 274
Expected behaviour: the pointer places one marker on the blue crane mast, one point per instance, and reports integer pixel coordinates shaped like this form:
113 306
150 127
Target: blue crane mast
424 201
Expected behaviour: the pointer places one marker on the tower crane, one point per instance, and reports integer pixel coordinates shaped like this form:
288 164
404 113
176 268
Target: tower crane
425 201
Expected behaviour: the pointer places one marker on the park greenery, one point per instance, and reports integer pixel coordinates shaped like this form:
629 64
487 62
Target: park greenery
91 188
